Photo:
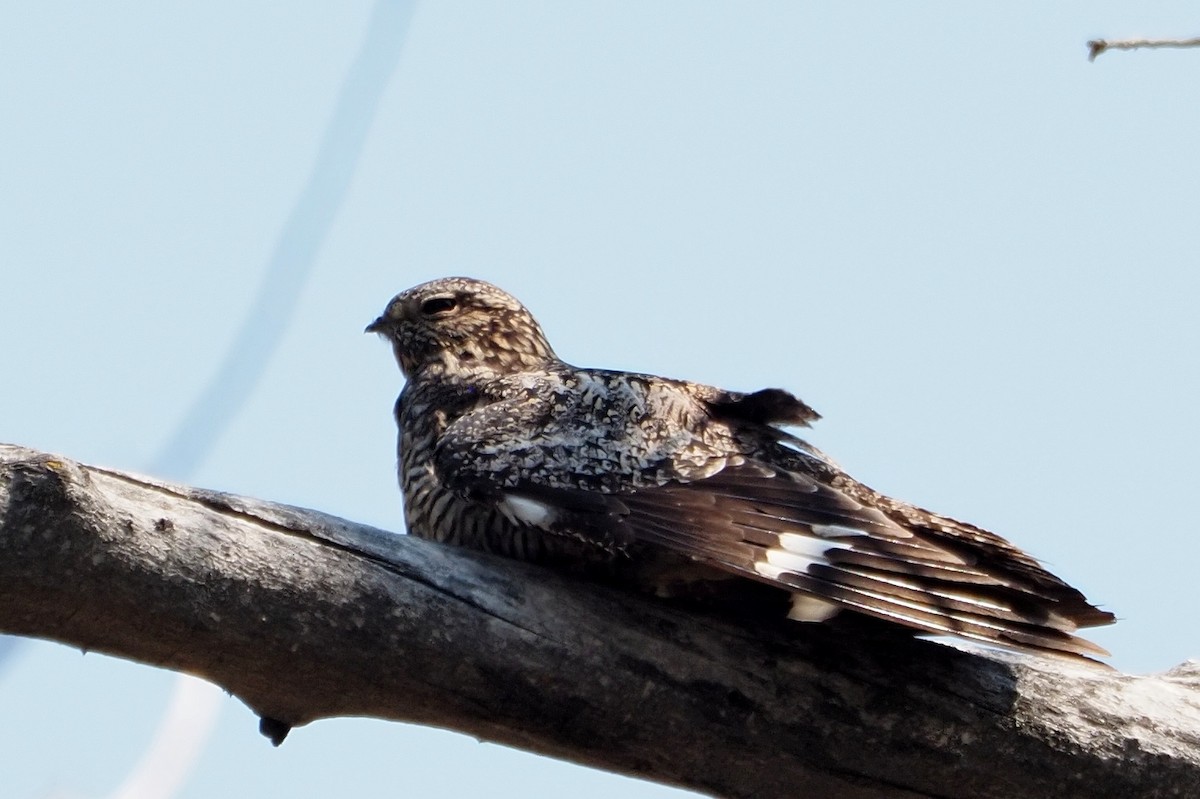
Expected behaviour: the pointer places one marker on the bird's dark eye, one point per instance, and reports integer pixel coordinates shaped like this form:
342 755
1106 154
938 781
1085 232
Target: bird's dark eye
437 305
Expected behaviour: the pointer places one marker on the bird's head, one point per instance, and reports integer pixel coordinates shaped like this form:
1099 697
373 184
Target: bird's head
458 325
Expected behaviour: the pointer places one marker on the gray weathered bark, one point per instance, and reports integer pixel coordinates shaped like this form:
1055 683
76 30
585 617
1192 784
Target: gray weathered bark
304 616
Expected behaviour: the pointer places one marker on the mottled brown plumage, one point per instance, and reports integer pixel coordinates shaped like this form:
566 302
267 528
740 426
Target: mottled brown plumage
674 486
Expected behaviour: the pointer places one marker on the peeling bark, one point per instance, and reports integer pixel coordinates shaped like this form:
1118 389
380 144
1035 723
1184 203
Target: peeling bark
304 616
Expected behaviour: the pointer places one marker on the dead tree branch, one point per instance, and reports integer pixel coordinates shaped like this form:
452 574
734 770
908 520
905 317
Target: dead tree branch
304 616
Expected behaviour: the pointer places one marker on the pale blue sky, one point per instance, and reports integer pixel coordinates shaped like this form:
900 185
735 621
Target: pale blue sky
974 252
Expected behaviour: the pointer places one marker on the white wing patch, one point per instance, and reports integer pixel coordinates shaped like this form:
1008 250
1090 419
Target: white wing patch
841 531
806 607
521 510
795 553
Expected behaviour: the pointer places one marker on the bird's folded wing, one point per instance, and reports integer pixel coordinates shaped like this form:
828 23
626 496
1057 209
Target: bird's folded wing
822 542
778 524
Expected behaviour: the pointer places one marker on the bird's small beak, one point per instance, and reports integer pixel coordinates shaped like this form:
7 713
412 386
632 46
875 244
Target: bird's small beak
377 326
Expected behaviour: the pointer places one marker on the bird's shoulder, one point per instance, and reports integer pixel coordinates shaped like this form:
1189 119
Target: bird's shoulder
634 399
609 430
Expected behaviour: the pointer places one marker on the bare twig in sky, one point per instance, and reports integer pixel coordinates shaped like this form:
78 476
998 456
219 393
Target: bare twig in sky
1098 46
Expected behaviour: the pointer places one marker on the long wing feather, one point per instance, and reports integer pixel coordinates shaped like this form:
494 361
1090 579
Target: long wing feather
882 569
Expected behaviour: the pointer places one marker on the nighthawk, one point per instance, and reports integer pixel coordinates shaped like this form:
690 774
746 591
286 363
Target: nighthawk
678 487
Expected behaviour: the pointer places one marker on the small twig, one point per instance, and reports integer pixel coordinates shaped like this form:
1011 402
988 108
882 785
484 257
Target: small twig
1098 46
